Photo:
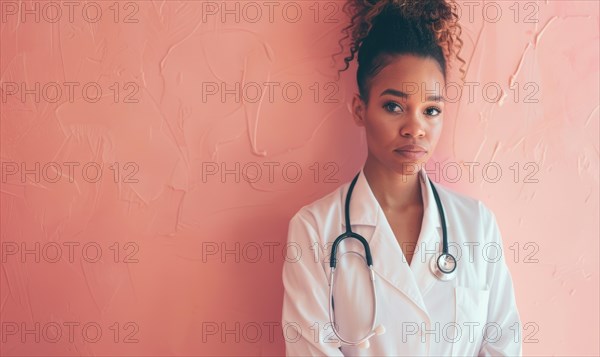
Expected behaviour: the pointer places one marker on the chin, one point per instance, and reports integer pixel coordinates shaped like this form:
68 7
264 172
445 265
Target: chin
410 166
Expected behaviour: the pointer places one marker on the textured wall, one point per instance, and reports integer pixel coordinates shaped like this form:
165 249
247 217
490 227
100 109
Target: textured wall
120 236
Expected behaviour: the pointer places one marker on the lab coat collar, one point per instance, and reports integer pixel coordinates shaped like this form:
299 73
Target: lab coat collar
414 280
365 209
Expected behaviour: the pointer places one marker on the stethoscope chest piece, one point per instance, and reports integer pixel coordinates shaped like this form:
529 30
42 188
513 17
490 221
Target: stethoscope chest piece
443 266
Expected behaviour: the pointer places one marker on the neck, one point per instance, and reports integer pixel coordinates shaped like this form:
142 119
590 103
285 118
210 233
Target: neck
393 190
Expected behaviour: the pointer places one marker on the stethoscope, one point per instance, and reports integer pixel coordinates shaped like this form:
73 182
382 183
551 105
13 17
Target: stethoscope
443 266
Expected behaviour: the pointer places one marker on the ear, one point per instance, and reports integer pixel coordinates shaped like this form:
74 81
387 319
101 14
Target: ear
358 110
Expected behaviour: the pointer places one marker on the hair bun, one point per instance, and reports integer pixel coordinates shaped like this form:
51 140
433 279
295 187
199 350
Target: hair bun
440 17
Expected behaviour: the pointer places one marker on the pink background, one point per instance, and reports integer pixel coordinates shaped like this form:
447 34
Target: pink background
157 288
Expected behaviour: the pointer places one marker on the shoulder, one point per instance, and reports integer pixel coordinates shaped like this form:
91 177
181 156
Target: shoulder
469 213
467 208
325 206
323 214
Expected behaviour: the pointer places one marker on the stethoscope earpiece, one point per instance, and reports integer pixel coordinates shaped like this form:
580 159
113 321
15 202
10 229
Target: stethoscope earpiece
364 345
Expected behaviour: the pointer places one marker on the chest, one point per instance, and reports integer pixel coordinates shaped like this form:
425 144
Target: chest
406 226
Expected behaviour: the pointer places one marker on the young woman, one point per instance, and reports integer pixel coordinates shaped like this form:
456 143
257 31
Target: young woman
398 265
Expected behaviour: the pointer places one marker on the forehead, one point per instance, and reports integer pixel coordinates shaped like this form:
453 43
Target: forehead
406 71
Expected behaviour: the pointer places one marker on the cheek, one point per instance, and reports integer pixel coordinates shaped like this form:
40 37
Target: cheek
435 131
381 133
436 127
380 128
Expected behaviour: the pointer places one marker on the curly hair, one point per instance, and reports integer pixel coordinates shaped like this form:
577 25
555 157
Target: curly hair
380 29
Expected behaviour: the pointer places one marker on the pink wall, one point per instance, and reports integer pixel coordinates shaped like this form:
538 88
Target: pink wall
133 251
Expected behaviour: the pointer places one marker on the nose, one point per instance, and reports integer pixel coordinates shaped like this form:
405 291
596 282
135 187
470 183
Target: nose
413 126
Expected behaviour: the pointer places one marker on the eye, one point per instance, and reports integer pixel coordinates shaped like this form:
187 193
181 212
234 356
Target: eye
389 106
429 110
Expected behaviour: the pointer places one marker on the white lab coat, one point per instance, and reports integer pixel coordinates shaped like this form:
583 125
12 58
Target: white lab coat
421 314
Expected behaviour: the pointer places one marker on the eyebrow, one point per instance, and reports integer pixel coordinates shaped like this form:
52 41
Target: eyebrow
401 94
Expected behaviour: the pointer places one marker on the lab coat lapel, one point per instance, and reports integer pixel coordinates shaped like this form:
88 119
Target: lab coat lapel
430 237
387 255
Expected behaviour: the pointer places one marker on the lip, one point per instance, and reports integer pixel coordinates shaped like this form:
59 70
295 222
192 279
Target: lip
412 152
412 155
411 148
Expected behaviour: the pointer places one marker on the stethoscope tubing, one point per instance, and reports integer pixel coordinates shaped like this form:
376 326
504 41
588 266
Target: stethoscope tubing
439 272
350 234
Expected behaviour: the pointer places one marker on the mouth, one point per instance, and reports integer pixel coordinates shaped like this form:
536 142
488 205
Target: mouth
411 148
416 151
412 152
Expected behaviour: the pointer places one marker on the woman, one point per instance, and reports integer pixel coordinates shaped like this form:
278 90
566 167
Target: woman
427 303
